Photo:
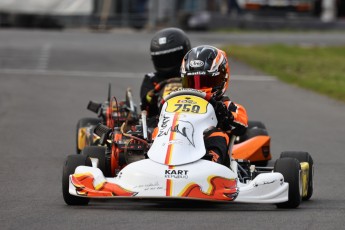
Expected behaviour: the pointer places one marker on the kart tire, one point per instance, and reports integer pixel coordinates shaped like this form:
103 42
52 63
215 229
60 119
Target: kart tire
85 122
290 168
303 157
71 163
96 152
256 124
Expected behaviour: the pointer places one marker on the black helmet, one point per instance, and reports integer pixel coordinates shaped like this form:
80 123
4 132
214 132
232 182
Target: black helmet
206 68
168 46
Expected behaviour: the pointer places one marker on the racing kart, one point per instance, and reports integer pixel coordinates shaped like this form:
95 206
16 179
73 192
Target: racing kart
173 165
124 146
111 113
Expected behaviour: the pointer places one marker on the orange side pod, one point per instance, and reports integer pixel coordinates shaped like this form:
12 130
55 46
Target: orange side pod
254 149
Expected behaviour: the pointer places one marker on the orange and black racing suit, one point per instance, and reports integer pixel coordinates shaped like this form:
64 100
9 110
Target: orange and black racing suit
217 139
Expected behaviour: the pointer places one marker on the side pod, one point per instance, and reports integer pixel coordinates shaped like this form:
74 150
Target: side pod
254 149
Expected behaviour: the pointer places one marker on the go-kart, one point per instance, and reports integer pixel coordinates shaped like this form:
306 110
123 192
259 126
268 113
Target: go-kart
111 113
174 167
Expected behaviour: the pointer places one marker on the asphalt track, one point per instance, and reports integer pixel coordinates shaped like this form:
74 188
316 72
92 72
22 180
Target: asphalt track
46 80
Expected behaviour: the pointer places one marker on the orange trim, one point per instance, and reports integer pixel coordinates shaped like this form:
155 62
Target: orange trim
240 116
154 133
252 149
115 153
169 187
169 184
172 136
157 87
83 184
220 134
220 188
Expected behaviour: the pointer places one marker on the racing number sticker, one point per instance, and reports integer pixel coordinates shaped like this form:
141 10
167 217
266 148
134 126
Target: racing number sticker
187 104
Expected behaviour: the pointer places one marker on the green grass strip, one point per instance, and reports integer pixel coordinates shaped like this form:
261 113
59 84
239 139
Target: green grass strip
321 69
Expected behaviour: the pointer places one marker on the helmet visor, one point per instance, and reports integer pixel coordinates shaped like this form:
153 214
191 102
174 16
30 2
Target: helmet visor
202 81
169 61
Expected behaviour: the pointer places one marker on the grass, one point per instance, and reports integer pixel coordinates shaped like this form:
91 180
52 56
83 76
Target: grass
321 69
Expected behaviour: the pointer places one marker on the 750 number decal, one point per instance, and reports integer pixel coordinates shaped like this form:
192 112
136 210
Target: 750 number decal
187 108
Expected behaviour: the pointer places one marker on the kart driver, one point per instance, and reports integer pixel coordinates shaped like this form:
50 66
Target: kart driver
168 47
206 68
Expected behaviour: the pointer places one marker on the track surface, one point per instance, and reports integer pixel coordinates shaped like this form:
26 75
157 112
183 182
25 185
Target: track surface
46 80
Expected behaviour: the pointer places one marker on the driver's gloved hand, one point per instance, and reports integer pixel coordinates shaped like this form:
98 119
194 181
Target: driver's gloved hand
224 116
147 100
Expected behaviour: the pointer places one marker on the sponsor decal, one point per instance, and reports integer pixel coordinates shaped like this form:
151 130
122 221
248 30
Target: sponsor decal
184 128
196 73
196 63
188 100
149 186
165 121
167 51
176 174
162 40
186 90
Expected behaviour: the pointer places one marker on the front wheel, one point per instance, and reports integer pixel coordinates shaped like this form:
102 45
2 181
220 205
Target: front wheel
290 168
72 162
99 153
303 157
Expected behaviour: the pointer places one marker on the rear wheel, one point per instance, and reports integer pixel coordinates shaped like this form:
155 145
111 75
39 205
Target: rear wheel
303 157
290 168
99 153
80 137
72 162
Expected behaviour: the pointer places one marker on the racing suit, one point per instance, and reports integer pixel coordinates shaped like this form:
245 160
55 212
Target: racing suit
217 138
151 104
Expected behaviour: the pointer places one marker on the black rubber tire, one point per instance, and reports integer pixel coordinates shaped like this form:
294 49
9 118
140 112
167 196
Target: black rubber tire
71 163
290 168
303 157
257 124
96 152
85 122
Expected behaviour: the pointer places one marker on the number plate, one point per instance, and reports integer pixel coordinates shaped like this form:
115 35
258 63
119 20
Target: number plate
187 104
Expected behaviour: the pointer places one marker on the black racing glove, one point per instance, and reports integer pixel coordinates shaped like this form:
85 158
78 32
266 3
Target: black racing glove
224 116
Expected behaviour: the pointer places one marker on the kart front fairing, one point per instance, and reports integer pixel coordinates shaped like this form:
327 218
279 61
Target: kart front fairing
182 123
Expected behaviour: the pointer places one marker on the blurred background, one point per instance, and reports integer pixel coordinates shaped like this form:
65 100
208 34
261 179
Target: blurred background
186 14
